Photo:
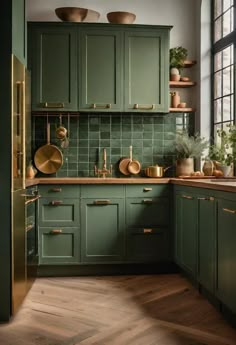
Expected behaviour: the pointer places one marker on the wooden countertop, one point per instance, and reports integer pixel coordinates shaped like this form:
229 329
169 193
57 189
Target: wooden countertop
203 183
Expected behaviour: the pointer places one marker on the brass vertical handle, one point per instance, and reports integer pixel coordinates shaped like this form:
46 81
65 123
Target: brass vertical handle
229 210
147 189
53 105
21 129
187 197
147 231
144 107
105 106
56 231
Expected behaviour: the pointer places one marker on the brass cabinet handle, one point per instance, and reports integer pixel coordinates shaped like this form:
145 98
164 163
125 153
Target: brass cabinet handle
147 231
187 197
102 202
54 105
29 227
29 201
229 210
56 231
56 202
147 189
144 107
147 201
55 190
105 106
211 198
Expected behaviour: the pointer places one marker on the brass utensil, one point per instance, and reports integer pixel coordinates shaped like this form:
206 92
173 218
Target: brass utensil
134 166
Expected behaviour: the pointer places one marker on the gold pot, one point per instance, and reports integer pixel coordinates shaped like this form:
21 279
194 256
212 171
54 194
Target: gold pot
155 171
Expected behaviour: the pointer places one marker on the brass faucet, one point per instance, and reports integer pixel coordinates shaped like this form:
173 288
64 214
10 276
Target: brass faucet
104 171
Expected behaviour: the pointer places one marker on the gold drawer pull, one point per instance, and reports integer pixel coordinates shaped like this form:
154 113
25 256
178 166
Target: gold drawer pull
53 105
147 231
55 190
143 107
147 201
102 202
56 231
105 106
29 201
211 198
187 197
147 189
229 210
56 202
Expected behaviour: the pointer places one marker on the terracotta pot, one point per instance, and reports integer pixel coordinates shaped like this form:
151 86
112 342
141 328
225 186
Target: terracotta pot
175 99
184 167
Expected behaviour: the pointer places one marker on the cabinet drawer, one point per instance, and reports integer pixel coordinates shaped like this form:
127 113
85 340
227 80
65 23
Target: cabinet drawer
59 211
59 191
58 245
147 190
147 212
102 191
151 245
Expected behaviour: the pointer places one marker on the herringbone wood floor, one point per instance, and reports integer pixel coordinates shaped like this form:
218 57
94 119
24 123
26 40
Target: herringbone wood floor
116 310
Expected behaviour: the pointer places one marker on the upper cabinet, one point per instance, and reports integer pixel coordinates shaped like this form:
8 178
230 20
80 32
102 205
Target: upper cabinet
19 30
120 67
146 70
100 69
53 63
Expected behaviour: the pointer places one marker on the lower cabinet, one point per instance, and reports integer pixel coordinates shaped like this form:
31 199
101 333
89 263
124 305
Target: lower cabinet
102 235
59 245
226 252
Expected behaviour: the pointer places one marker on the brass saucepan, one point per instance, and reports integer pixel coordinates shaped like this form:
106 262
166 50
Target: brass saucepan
155 171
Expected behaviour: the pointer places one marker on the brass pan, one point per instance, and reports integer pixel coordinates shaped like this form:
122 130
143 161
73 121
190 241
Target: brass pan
48 158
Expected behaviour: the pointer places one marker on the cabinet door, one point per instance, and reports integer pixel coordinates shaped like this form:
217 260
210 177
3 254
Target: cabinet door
206 241
186 231
53 55
102 230
226 253
146 70
19 30
58 245
58 212
100 70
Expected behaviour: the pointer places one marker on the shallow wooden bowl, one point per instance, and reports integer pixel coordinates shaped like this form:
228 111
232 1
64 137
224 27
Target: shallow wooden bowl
119 17
71 14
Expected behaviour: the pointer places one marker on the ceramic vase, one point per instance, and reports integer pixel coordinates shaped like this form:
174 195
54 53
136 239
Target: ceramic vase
175 99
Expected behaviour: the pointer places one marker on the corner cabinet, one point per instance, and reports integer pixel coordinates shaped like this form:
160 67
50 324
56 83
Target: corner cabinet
53 63
146 70
19 29
99 67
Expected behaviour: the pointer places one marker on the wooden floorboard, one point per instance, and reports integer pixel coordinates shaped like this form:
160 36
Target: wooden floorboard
116 310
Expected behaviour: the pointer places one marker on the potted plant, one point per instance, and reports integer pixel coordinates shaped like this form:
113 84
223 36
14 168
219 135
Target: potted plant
187 148
224 153
177 57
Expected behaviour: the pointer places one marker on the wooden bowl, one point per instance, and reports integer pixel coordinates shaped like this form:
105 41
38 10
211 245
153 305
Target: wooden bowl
76 14
121 17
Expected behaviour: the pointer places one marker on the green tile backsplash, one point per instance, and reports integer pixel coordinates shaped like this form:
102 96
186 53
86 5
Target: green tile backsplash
150 135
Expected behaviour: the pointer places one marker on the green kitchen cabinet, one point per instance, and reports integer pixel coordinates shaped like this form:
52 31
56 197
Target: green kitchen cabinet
147 223
206 240
19 29
146 70
53 62
100 69
185 233
226 253
59 245
102 230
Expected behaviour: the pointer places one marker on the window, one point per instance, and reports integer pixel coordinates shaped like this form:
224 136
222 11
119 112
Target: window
224 39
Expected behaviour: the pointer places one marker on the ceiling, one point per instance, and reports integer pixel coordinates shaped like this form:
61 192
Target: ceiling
145 10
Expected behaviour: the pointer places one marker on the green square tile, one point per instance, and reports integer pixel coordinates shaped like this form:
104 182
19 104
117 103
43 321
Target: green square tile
148 120
83 150
105 135
105 119
169 136
83 158
93 143
83 135
94 135
94 128
137 127
105 143
126 135
147 151
158 120
148 135
137 135
126 127
137 143
115 135
115 128
147 143
105 128
116 151
94 120
115 119
137 120
115 143
126 119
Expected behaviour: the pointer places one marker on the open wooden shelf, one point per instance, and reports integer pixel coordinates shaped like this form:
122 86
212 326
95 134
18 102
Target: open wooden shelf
181 83
181 110
189 63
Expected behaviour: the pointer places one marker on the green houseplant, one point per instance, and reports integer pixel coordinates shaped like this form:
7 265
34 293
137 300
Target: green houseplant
223 153
177 57
187 148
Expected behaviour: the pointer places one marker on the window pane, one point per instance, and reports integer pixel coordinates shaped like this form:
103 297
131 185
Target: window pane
226 81
226 109
218 33
218 84
217 8
218 61
217 111
227 56
227 27
227 4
